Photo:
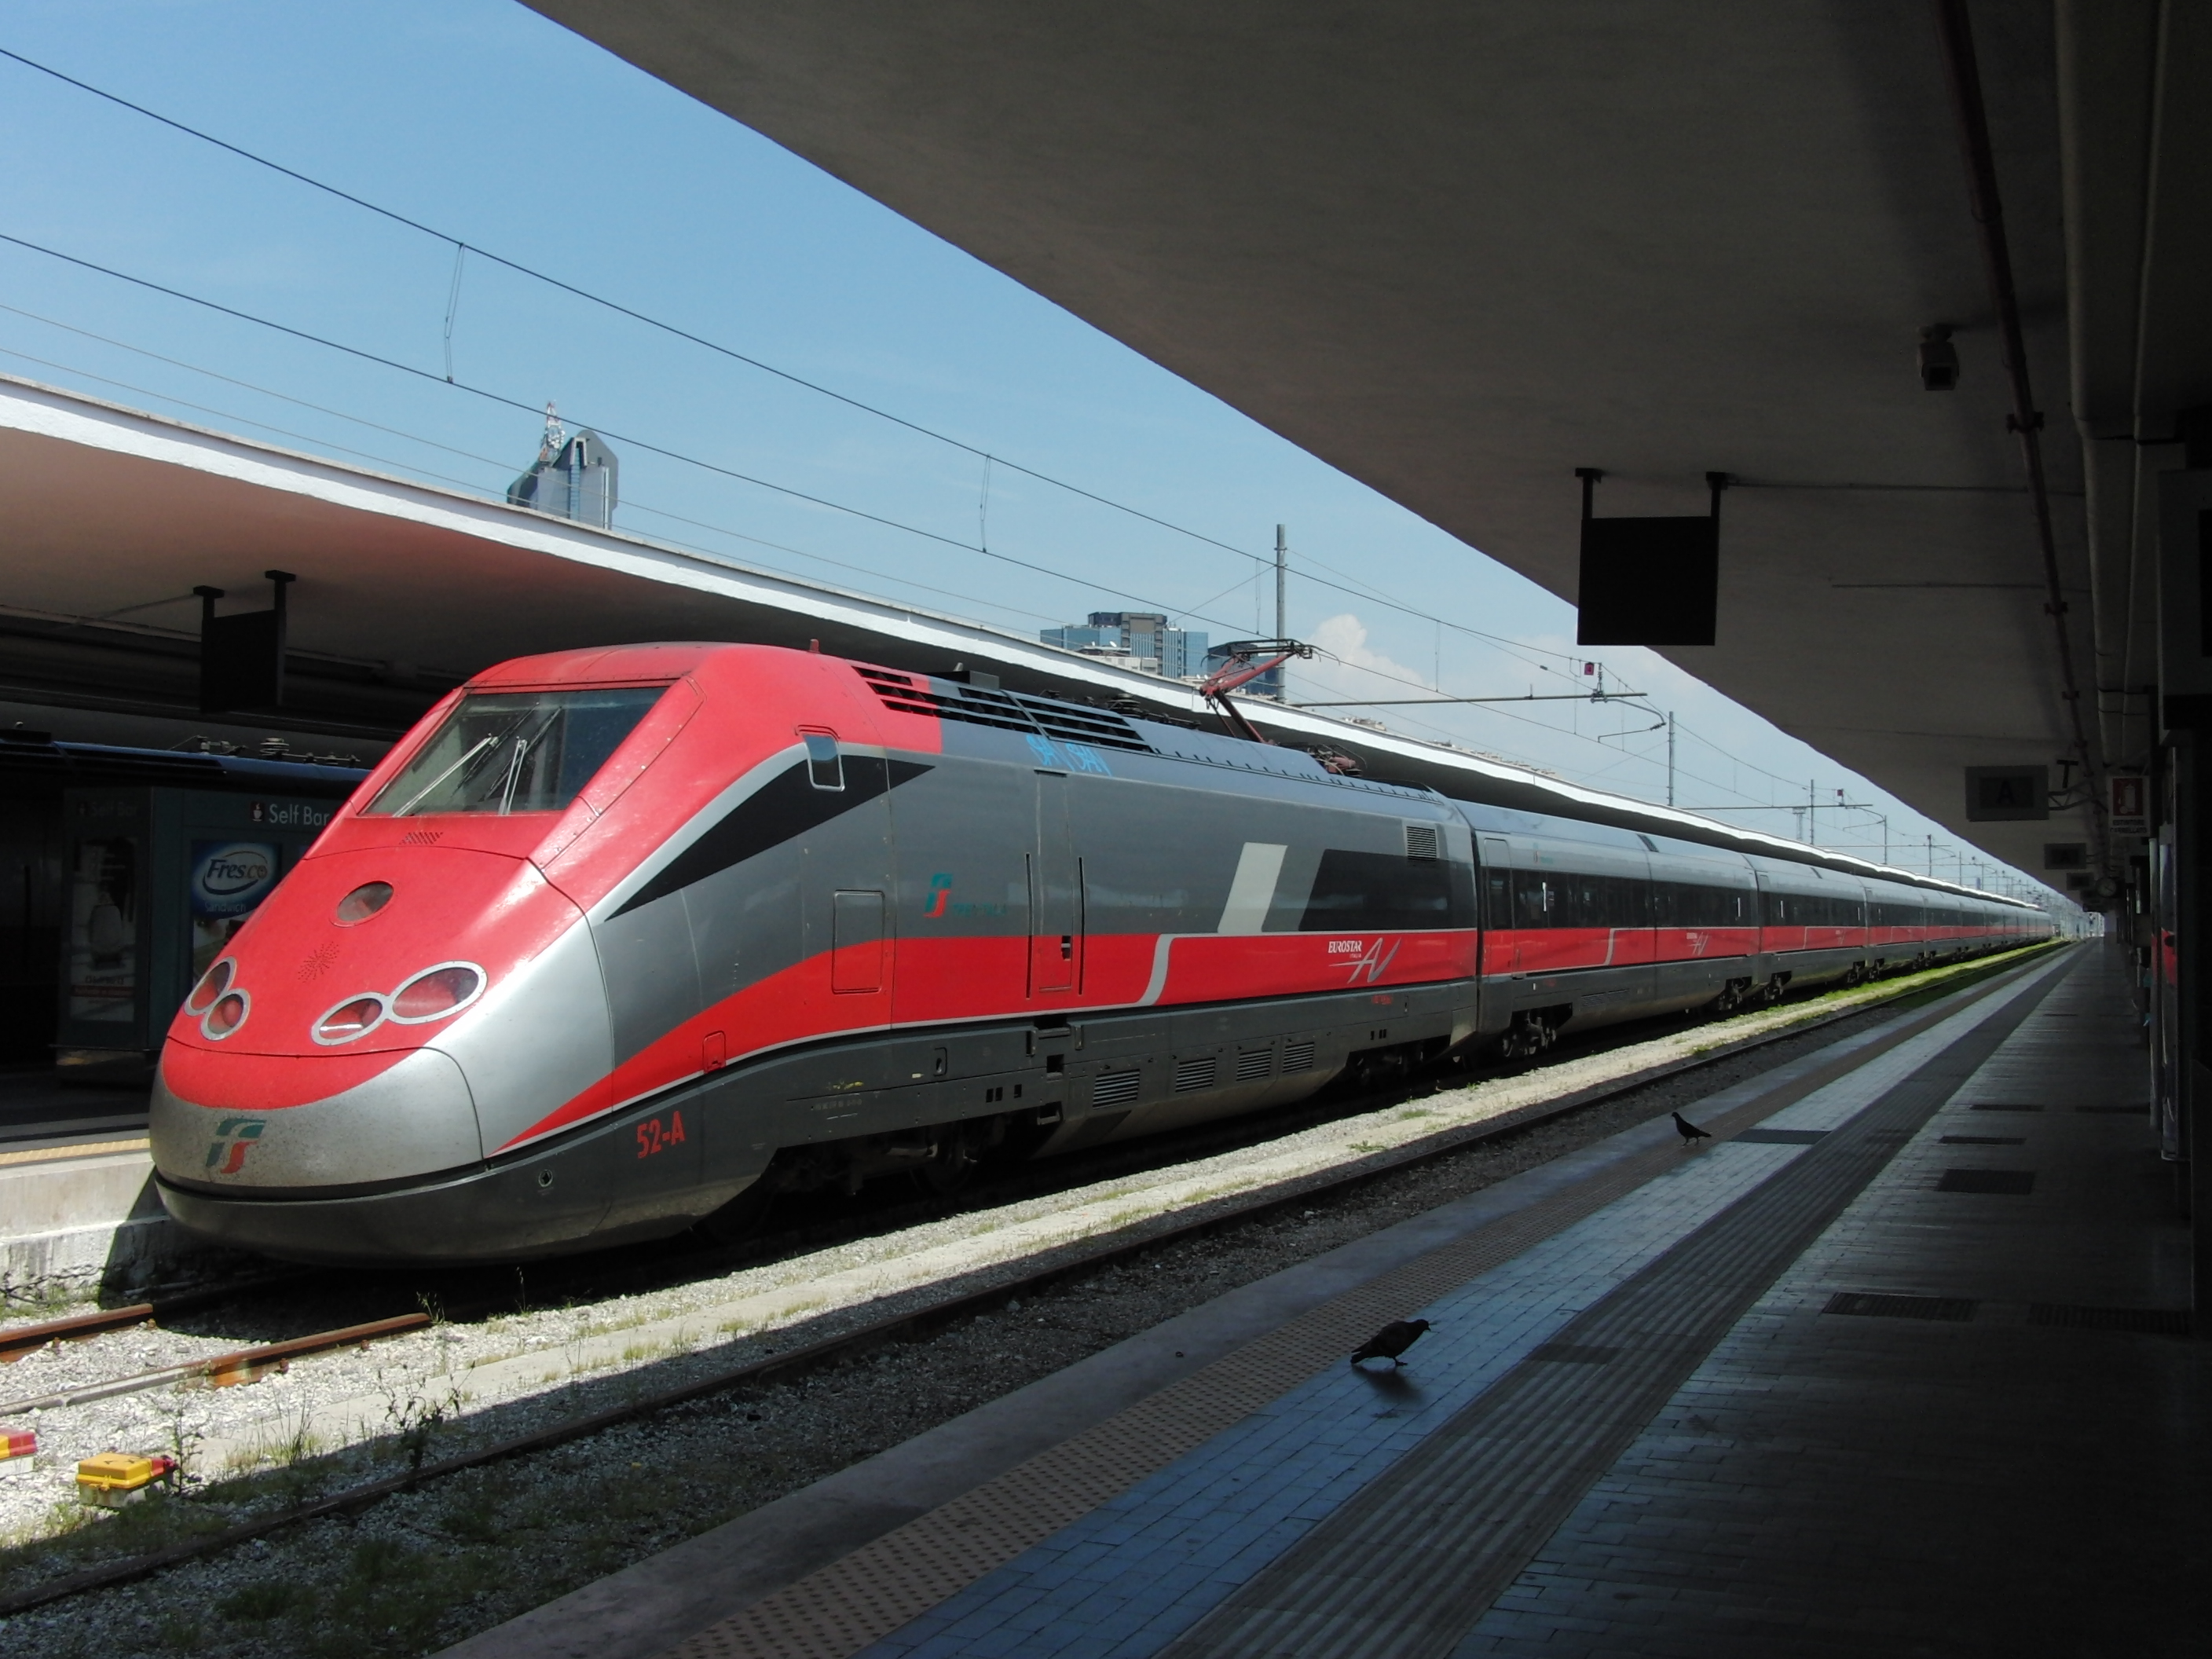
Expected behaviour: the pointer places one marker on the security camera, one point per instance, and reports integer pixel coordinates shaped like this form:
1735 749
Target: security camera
1939 359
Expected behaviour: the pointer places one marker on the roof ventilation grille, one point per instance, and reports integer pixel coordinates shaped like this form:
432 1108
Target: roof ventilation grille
1007 711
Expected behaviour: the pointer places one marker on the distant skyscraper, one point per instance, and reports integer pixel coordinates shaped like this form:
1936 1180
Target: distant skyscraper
1134 639
574 478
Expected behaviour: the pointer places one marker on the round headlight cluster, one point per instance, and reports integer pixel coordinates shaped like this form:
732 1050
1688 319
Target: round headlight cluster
433 993
229 1013
212 984
222 1006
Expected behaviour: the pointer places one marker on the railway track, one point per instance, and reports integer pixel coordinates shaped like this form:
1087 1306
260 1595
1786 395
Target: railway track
221 1370
905 1326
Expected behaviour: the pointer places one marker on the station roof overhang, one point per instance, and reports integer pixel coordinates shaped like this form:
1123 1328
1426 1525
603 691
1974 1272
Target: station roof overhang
403 590
1458 250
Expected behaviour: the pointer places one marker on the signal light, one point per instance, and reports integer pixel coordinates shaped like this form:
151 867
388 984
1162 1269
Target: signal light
229 1013
364 902
355 1016
213 983
436 991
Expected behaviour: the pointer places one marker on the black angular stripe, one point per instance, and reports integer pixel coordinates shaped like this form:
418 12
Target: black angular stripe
785 806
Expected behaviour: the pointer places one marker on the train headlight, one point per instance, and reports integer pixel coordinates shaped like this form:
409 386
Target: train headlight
437 992
213 983
227 1014
355 1017
364 902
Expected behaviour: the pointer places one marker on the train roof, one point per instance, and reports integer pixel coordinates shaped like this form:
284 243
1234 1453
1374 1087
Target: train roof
1175 720
1460 776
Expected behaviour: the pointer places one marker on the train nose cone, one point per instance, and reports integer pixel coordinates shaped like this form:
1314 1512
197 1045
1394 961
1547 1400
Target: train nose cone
409 1120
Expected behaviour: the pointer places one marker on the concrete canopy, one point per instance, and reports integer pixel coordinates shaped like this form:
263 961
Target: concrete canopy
1459 250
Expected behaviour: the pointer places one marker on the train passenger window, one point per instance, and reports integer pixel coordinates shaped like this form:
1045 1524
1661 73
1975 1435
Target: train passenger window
825 767
1696 906
1533 900
1353 891
515 751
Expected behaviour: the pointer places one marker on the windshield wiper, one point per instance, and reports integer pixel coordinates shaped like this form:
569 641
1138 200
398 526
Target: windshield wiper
417 799
513 776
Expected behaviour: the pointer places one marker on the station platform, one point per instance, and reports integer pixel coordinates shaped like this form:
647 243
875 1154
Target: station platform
78 1212
1896 1362
40 1114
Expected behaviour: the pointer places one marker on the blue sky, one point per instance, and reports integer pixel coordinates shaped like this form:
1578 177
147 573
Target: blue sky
483 119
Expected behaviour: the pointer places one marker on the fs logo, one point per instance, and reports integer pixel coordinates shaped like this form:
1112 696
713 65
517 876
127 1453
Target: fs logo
233 1138
940 895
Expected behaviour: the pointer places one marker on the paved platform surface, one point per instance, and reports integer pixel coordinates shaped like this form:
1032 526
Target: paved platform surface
1888 1366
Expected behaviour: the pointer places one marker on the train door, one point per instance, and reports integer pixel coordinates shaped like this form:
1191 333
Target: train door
1500 950
848 880
1055 894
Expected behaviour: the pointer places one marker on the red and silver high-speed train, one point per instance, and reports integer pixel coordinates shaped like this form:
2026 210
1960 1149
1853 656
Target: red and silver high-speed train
618 940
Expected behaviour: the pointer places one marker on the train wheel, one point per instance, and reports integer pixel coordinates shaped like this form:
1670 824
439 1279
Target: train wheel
1523 1039
953 1168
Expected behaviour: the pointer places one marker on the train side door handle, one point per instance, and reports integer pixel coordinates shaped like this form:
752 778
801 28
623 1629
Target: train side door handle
1067 947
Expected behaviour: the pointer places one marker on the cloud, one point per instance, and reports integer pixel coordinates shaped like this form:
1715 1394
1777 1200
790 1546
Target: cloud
1343 639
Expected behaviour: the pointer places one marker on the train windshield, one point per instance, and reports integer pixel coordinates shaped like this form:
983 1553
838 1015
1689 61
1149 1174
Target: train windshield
516 751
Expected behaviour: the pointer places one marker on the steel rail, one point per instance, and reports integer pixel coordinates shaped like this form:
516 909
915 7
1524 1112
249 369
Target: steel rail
919 1320
221 1370
17 1340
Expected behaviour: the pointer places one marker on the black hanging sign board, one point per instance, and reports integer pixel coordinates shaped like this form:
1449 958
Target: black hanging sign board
1649 582
242 657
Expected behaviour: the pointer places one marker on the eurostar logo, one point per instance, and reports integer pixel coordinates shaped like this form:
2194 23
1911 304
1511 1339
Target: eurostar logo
233 1138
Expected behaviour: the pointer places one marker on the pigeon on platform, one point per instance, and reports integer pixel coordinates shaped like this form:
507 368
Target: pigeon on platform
1691 1133
1392 1340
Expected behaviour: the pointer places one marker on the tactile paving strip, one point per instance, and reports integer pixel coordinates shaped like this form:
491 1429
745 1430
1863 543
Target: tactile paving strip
840 1608
78 1149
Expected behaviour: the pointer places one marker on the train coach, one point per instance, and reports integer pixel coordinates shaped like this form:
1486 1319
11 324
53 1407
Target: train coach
621 942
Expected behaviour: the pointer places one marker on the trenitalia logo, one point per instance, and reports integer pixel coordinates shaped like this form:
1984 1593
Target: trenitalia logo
233 1138
940 895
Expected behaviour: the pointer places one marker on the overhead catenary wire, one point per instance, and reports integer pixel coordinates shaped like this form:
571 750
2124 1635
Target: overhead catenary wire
1589 775
463 247
418 471
1351 586
1616 757
400 433
631 439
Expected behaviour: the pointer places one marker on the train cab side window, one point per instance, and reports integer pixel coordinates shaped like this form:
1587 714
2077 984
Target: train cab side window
825 767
